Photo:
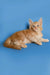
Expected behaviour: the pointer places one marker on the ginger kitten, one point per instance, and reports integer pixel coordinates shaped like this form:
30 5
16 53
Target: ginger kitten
33 34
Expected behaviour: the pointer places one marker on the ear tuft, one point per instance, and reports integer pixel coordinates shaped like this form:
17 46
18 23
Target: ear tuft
40 21
30 21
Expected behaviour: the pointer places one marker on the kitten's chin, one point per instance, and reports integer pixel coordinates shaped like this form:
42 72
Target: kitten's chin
36 30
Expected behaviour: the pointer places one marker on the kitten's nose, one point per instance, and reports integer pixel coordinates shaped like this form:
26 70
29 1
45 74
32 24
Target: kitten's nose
35 27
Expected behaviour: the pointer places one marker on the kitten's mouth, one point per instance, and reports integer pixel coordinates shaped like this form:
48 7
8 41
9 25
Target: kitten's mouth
35 28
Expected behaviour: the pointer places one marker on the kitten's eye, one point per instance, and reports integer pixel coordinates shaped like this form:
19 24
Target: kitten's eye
33 26
37 25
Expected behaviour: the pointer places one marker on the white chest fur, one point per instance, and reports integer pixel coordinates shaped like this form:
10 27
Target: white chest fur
38 36
35 37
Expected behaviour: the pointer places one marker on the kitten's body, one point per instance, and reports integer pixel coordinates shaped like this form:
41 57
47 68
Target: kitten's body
19 39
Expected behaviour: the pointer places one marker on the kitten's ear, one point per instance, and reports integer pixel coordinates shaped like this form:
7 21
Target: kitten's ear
40 21
30 21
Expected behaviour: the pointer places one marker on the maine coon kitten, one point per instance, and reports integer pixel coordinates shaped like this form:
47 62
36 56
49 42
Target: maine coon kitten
33 34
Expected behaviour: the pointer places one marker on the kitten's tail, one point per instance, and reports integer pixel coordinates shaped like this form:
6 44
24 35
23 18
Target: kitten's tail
9 45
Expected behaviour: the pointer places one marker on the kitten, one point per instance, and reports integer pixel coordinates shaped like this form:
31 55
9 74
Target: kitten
33 34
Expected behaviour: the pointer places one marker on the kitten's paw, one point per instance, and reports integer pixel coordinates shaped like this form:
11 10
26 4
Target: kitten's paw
25 46
40 43
46 40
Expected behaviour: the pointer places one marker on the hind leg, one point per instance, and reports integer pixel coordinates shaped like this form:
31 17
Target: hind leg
23 45
20 44
12 46
15 47
18 47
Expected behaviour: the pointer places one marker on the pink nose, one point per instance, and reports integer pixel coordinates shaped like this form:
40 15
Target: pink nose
35 27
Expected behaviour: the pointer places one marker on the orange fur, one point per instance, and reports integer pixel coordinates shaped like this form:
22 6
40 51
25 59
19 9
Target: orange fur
33 34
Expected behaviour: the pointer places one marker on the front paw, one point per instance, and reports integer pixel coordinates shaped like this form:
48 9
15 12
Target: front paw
46 40
40 43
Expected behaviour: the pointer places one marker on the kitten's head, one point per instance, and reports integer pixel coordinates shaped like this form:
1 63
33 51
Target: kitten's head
36 26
